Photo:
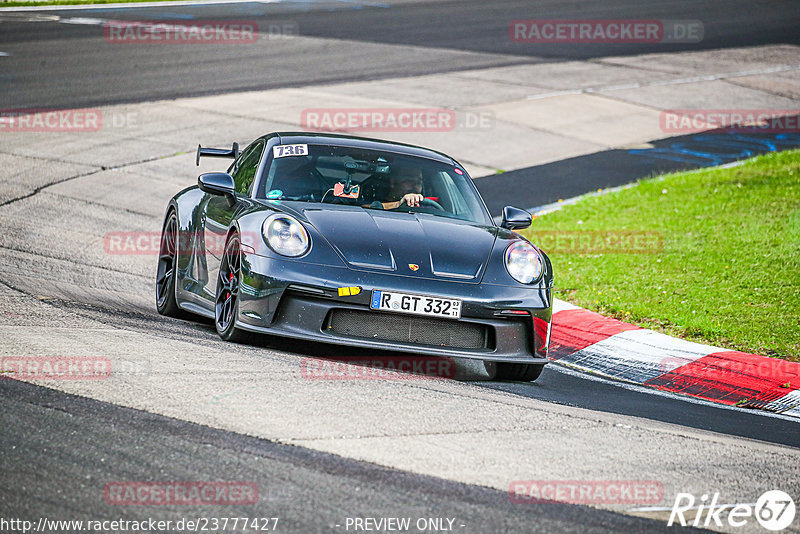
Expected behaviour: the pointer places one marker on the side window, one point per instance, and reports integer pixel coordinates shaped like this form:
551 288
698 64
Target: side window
245 170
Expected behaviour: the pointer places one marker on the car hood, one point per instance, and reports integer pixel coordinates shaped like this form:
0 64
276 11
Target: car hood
409 244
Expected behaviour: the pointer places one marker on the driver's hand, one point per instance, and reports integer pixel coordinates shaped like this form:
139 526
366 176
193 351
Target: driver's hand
412 199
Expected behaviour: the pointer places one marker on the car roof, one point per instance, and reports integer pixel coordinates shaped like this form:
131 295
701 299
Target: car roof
360 142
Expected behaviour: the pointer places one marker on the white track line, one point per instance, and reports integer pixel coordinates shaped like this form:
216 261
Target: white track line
170 3
677 81
538 211
131 5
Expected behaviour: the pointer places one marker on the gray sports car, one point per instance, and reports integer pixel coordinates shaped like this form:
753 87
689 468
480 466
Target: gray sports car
358 242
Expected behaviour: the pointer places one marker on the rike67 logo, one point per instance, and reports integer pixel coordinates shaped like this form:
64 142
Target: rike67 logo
774 510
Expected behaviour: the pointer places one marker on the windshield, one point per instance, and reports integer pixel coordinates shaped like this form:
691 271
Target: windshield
372 180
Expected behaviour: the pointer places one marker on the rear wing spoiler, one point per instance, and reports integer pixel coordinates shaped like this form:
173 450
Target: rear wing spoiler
230 153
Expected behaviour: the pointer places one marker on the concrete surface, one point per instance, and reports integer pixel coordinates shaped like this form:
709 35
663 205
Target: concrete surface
70 297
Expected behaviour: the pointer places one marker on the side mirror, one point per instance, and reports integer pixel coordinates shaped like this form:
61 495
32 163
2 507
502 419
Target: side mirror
515 218
218 183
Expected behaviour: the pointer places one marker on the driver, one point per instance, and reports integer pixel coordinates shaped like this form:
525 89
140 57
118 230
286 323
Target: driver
405 185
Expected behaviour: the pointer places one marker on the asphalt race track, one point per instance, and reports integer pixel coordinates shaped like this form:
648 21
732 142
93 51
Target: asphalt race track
308 490
57 64
189 407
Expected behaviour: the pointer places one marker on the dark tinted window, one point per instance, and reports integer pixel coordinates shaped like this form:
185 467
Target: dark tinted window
369 179
245 170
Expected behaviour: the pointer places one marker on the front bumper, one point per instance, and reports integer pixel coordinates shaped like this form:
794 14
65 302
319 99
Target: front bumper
301 300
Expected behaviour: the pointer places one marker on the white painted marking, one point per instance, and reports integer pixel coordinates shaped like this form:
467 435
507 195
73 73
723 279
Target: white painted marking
637 355
136 5
677 81
5 54
563 305
83 20
538 211
619 87
32 17
790 401
682 81
732 164
556 93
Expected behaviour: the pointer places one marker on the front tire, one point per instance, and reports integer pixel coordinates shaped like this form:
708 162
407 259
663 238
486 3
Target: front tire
226 306
518 372
167 271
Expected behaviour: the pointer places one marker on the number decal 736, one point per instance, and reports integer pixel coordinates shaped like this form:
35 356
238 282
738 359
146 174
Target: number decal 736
281 151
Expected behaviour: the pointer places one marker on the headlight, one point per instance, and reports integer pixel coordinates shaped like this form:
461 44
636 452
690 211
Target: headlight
523 262
285 235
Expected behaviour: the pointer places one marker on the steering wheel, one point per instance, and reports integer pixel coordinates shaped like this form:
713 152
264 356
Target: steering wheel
430 203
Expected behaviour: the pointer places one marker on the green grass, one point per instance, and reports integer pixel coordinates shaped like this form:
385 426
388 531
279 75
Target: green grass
17 3
728 272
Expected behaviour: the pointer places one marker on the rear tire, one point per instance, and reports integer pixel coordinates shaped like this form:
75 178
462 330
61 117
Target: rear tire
518 372
167 271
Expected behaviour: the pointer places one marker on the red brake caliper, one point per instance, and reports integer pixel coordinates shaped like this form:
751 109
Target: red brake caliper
230 279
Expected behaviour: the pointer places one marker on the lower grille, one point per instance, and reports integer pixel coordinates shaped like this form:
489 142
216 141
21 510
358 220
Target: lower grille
410 329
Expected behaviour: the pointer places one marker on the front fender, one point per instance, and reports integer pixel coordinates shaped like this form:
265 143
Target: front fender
497 274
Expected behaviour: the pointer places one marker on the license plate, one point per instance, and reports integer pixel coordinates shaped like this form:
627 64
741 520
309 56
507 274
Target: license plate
416 304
